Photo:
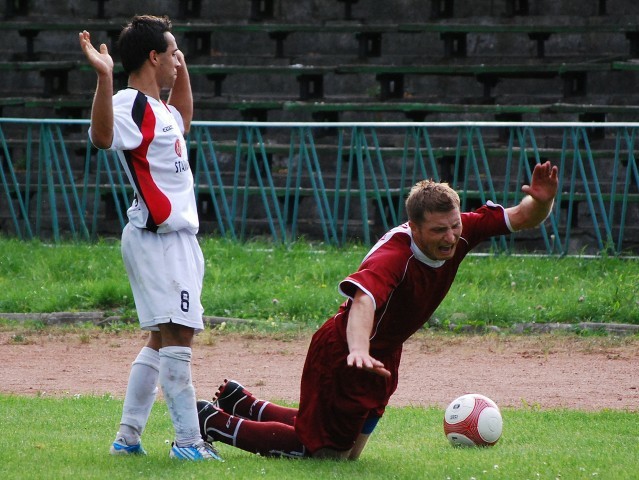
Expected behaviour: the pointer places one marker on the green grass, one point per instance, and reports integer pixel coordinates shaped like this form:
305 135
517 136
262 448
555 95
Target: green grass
298 284
69 438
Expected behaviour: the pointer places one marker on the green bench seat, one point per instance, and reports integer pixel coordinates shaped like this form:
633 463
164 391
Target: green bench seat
391 78
368 36
55 74
310 78
454 35
198 34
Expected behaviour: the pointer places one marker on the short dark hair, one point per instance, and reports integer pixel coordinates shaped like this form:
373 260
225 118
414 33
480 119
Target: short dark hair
429 196
142 35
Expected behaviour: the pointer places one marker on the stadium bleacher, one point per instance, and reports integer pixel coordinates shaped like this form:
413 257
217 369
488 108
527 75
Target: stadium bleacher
456 53
346 60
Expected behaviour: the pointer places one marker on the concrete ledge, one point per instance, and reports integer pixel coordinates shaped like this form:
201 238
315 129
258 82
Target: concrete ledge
591 327
100 318
56 318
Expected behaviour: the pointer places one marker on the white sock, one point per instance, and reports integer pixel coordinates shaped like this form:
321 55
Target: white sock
140 395
177 385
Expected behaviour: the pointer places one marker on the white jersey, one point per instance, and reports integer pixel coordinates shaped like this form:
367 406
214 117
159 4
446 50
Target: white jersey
148 137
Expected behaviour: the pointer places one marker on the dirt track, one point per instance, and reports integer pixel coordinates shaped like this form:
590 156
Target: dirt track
540 371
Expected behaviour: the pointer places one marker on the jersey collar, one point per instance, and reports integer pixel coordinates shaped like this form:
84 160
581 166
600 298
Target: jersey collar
419 255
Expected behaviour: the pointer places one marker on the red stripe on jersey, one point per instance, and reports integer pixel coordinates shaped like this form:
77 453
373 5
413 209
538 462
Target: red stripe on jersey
158 204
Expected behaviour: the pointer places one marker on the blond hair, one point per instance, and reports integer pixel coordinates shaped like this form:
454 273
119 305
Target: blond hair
429 196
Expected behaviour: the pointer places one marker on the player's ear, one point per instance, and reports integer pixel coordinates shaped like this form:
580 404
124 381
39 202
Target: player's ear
153 57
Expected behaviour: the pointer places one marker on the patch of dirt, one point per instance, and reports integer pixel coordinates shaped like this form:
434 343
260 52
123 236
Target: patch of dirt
542 371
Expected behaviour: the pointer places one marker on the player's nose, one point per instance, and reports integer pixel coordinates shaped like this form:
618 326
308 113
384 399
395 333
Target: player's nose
450 236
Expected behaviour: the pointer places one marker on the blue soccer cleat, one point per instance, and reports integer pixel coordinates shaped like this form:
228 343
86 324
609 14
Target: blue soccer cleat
198 451
120 447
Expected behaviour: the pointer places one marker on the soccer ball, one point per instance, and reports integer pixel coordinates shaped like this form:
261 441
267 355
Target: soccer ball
473 420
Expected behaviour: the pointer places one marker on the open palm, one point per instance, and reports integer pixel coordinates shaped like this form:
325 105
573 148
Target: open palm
100 60
543 183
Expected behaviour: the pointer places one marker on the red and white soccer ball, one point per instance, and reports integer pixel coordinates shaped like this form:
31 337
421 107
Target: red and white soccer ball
473 420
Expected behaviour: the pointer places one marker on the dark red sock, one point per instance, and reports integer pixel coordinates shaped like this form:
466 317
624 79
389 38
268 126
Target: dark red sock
264 438
249 407
263 411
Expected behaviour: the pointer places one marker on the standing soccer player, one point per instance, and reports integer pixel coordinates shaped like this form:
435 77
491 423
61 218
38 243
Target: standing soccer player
352 364
159 245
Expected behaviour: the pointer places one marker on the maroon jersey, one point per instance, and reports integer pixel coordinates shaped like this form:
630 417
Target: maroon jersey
407 287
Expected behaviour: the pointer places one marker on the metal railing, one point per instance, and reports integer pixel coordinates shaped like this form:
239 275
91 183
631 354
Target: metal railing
333 182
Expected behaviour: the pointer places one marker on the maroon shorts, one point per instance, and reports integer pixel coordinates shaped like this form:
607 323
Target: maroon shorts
335 399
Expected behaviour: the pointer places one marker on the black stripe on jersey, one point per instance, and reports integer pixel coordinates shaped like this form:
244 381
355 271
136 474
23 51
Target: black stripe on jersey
138 109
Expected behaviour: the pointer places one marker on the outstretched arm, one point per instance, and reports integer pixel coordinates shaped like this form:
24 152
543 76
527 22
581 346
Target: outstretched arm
102 109
358 331
540 194
181 96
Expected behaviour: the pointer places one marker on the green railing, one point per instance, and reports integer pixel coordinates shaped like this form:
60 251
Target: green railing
333 182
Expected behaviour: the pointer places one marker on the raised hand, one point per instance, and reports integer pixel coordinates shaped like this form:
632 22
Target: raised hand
100 60
543 183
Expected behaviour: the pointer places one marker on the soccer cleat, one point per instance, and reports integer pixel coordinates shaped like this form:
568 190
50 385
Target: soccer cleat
120 447
206 410
198 451
229 395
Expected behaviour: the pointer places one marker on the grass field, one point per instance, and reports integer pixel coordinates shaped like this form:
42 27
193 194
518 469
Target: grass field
298 284
69 438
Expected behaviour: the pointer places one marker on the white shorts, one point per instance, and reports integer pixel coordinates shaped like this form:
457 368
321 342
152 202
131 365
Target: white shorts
166 272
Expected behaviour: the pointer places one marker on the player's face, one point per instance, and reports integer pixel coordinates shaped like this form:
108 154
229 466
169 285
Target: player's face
438 234
168 63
